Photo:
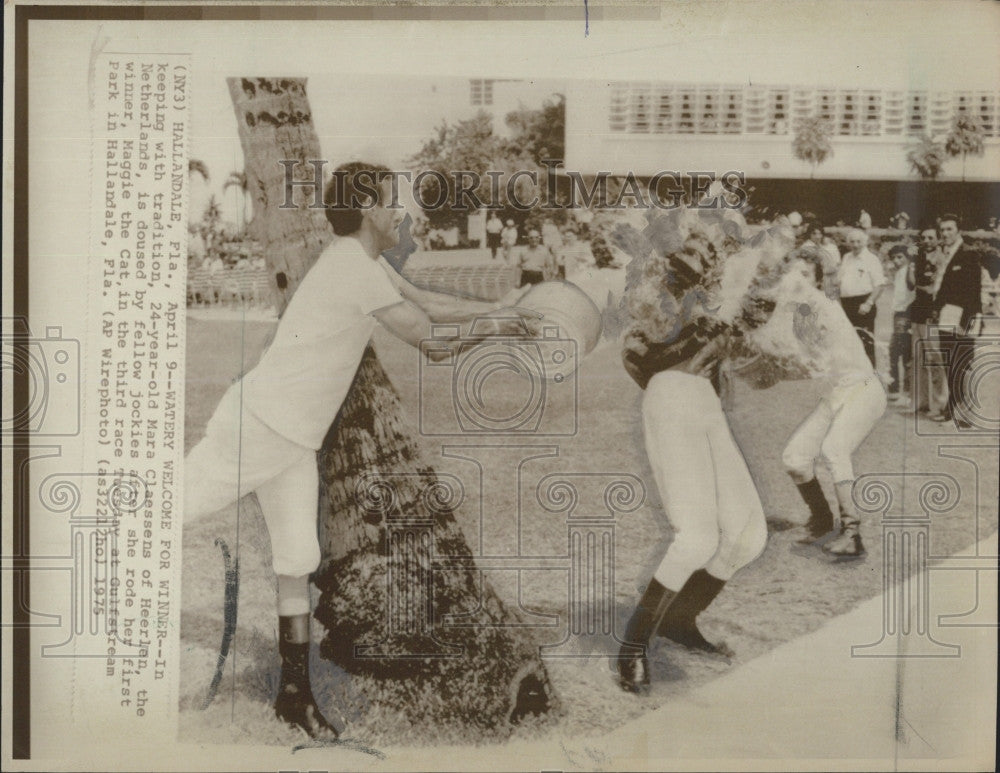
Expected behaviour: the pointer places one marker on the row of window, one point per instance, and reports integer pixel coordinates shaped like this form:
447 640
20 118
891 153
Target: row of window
646 108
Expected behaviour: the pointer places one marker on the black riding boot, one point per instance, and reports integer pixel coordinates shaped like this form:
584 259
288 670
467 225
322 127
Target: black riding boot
295 703
820 521
678 623
633 667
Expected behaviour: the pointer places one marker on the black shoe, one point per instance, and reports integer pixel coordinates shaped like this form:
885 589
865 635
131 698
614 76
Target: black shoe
633 671
690 637
298 708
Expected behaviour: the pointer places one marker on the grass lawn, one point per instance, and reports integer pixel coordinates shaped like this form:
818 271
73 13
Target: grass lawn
782 595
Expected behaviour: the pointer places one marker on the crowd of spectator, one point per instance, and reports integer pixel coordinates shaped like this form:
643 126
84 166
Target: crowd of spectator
944 299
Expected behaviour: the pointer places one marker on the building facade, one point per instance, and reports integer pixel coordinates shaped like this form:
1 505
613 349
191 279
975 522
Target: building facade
647 127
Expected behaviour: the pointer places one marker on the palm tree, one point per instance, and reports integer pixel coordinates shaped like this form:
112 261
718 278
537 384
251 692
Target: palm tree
926 157
198 167
372 436
239 181
965 138
812 141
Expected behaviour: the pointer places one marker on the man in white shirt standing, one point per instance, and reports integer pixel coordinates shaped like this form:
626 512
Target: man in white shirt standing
861 281
265 432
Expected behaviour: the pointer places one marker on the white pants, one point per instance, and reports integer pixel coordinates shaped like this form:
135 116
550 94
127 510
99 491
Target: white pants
841 421
240 454
710 498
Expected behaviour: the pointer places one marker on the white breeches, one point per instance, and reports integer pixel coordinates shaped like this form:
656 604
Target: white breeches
709 496
833 432
240 454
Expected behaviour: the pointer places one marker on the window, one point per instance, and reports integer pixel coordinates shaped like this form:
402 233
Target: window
803 101
755 111
708 111
685 119
917 113
848 114
480 92
894 117
871 119
986 110
778 111
664 117
939 113
826 104
639 121
618 109
732 107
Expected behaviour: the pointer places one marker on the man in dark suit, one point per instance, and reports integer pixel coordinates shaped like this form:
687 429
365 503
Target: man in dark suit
958 301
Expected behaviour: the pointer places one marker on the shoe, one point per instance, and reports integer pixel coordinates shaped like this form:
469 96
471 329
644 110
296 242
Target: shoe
940 418
846 545
298 708
690 637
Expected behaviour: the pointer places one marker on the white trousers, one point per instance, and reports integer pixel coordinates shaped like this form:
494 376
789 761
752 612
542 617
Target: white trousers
240 454
833 432
706 488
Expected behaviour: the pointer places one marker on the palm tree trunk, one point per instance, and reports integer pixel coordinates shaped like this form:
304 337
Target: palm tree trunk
386 519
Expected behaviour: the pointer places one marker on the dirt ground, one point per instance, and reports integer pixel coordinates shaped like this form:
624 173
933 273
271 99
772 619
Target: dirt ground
782 595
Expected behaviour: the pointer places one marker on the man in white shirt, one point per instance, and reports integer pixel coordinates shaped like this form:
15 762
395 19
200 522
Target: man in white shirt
494 225
265 432
861 281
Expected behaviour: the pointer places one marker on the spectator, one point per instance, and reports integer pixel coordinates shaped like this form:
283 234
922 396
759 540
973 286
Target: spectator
536 262
827 256
900 344
508 238
861 282
493 228
864 220
991 293
958 301
551 237
930 387
575 255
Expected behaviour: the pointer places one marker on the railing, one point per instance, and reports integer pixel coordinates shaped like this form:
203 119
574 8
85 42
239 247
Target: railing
229 287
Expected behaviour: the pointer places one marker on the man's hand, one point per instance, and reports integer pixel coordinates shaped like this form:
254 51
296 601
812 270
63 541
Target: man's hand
865 307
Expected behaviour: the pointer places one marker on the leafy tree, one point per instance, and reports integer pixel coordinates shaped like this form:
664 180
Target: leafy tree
811 142
966 138
472 145
539 134
926 157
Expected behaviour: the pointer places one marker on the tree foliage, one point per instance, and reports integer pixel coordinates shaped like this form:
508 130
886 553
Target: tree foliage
966 138
472 145
926 157
811 142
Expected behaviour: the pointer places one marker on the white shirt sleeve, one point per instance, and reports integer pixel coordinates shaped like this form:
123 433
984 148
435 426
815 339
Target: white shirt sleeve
379 291
875 271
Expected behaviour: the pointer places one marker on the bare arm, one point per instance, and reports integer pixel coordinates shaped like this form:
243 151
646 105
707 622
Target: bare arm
440 307
410 323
